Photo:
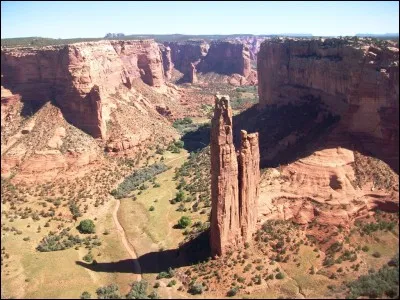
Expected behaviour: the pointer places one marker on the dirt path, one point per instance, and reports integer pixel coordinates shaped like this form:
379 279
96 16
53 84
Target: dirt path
128 246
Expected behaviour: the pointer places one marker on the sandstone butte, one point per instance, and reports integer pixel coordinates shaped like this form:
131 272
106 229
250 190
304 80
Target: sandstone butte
357 80
234 182
80 77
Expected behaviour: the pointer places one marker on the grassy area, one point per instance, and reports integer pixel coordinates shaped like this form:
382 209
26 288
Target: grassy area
33 274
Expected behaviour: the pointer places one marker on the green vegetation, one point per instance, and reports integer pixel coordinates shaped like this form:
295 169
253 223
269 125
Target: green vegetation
133 181
385 282
86 226
88 257
75 210
86 295
233 291
195 289
184 222
138 290
65 240
109 292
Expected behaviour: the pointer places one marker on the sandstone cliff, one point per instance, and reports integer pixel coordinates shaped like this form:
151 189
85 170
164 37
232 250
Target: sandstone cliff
167 61
68 75
230 58
359 81
234 186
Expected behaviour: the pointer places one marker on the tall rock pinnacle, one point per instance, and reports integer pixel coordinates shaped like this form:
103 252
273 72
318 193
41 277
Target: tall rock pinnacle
225 225
249 178
234 187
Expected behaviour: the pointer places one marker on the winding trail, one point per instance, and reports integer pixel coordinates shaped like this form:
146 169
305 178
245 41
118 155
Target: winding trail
128 246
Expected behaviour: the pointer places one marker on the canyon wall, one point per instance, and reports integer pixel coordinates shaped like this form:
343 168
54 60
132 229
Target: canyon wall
227 57
356 79
222 57
79 77
234 186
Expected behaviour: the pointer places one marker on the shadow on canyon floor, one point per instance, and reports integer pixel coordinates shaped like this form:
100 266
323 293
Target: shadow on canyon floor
192 252
291 132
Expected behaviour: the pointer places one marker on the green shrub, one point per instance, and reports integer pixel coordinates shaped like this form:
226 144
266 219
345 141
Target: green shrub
365 248
86 295
138 290
86 226
88 257
232 292
376 254
184 222
279 275
195 289
108 292
152 208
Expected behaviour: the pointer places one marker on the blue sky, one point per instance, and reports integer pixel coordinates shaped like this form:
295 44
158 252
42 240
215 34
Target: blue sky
95 19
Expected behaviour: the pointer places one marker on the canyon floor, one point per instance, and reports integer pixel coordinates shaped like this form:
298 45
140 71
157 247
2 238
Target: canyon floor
327 213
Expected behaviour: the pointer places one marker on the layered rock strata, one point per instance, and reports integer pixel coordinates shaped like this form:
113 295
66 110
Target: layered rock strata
167 61
358 80
234 186
68 76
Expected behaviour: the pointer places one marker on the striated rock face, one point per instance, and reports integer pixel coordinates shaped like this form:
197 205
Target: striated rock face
227 57
358 81
167 61
225 224
183 54
80 77
234 186
249 178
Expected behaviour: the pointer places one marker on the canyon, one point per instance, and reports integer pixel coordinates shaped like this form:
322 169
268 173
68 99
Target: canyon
318 153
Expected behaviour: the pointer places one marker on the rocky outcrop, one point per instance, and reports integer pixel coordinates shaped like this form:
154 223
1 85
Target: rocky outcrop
80 77
249 178
357 80
167 61
192 73
234 187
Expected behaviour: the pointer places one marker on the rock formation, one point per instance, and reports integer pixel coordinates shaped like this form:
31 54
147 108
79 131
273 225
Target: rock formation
249 177
192 73
356 79
67 75
234 187
167 61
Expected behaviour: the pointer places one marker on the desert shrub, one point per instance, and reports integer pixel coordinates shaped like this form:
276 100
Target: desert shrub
86 295
195 289
86 226
171 283
376 254
138 290
75 210
232 292
180 195
385 282
156 285
108 292
365 248
279 275
138 177
184 221
154 295
88 257
152 208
